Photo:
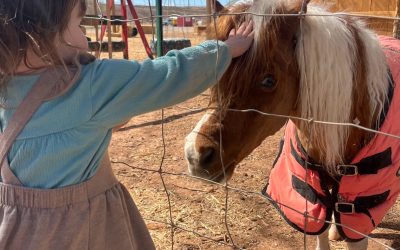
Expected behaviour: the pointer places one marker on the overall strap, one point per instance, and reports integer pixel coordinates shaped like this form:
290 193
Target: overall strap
50 84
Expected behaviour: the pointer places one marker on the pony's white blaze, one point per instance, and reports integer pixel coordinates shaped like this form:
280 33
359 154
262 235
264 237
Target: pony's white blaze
191 154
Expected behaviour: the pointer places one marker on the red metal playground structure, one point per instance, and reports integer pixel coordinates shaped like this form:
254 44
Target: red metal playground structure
110 19
107 21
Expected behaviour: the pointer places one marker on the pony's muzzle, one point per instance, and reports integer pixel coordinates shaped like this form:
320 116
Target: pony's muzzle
201 161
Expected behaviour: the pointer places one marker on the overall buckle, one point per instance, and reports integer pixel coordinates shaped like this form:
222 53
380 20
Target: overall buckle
345 207
347 170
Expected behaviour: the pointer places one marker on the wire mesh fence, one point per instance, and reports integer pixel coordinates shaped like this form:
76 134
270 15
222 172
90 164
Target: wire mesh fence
170 213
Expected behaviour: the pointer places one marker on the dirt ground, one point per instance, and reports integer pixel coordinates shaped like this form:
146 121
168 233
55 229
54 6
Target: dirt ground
197 207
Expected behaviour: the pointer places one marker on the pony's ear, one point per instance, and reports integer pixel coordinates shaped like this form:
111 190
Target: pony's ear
298 6
217 5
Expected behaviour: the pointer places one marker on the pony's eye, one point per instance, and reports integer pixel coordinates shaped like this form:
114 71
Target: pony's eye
269 82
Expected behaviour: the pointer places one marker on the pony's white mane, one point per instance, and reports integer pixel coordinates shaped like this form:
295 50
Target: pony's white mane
262 7
238 2
326 55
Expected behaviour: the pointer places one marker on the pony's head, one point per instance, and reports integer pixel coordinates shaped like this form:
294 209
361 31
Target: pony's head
306 66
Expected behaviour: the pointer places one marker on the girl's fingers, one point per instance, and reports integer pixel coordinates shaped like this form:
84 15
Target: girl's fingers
232 32
251 35
242 28
249 29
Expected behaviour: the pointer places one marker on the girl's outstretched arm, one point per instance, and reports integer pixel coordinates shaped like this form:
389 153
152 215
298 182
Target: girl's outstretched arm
122 89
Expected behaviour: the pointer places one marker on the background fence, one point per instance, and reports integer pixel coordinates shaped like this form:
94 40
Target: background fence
368 7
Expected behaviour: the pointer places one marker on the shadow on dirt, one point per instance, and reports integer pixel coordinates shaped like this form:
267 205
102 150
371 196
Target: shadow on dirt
166 120
389 225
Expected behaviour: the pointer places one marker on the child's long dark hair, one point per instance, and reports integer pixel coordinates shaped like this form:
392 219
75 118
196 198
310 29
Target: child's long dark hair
31 24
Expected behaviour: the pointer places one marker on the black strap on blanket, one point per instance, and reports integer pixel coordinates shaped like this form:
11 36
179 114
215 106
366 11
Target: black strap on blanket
361 204
368 165
309 193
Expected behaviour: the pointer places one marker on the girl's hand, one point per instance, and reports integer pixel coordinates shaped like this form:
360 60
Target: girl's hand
240 40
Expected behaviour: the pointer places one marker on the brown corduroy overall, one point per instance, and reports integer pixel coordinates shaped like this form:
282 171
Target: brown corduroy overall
96 214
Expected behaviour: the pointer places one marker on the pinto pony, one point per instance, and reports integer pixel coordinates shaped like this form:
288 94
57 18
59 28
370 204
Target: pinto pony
323 68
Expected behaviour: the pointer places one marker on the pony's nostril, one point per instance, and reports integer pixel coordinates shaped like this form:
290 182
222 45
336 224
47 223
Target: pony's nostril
207 156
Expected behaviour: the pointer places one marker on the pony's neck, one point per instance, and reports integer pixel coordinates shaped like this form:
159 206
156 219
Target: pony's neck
357 140
343 75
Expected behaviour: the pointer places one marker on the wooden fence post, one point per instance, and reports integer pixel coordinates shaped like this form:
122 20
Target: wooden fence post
209 11
396 24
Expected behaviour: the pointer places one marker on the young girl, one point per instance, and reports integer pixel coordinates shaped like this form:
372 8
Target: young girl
58 108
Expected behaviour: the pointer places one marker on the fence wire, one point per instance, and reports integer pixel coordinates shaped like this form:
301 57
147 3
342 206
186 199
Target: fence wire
338 14
227 188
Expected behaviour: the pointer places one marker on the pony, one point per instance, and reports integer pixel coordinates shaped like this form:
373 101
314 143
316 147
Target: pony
325 69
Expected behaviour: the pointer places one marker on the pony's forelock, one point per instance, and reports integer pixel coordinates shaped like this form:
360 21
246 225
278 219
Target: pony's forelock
262 8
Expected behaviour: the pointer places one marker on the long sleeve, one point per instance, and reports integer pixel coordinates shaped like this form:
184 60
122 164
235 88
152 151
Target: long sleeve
122 89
